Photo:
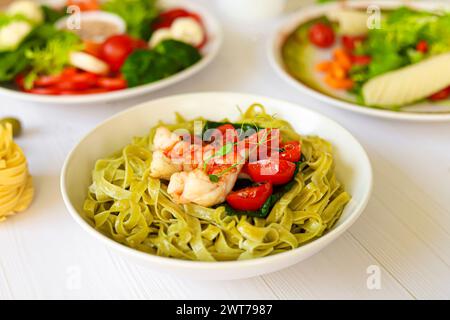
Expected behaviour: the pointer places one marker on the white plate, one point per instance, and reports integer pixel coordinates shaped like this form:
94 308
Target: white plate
209 52
352 165
412 113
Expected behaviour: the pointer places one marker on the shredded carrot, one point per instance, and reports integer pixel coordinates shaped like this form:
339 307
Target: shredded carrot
337 71
324 66
338 83
342 57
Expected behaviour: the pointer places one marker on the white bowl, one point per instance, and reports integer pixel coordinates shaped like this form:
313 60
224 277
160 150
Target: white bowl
209 52
352 166
416 112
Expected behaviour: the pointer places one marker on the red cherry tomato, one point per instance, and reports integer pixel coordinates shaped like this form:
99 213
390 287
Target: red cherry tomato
350 42
291 151
84 5
166 18
422 46
250 198
276 171
111 83
441 95
361 60
321 35
228 132
116 49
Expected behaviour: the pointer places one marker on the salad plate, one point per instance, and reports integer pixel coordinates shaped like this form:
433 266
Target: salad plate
145 217
371 57
176 40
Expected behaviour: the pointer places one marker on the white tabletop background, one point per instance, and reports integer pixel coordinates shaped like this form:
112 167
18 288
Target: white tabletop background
404 233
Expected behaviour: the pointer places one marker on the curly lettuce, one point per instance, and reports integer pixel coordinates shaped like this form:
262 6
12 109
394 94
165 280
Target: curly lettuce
393 46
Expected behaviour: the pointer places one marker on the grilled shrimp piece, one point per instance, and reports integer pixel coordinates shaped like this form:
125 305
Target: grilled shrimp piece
196 187
161 166
164 139
172 154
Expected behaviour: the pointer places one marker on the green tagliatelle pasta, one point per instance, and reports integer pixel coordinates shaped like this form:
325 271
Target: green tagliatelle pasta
131 207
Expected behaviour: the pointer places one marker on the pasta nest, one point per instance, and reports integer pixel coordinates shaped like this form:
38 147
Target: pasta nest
16 185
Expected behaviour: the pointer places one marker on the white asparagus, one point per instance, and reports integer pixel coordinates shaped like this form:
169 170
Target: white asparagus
409 84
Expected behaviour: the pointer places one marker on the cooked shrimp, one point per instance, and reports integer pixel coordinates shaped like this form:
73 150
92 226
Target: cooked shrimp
171 154
196 187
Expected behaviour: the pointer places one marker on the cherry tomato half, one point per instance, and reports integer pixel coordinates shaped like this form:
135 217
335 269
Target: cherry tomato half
422 46
441 95
228 132
250 198
321 35
116 49
291 151
276 171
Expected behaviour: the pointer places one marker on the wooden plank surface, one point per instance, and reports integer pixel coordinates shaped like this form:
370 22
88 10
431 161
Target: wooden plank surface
405 231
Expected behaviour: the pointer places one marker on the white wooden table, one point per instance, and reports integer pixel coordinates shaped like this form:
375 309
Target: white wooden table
405 230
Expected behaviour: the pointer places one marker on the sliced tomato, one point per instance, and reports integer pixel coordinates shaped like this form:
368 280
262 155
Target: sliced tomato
276 171
321 35
350 43
250 198
46 81
291 151
68 72
422 46
441 95
82 92
78 81
84 5
112 83
45 91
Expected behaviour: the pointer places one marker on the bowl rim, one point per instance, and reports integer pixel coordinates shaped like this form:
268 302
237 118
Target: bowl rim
274 56
215 34
313 246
